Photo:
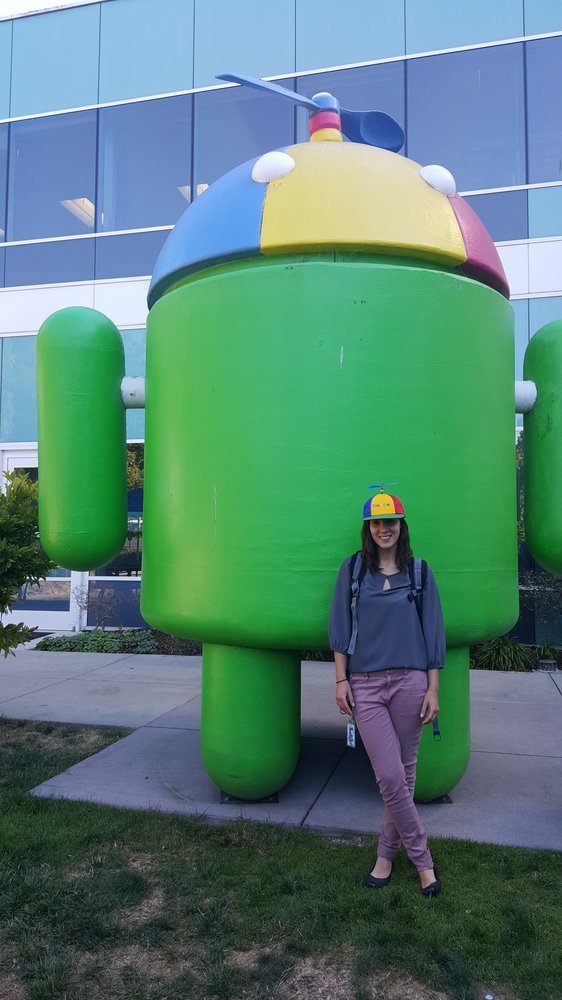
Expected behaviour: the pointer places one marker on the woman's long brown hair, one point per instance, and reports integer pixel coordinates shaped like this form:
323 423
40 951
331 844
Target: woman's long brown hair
370 551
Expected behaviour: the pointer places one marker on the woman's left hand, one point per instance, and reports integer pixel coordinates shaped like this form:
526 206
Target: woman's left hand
430 706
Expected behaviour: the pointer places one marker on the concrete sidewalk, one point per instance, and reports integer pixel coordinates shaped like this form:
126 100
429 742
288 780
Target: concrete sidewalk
510 794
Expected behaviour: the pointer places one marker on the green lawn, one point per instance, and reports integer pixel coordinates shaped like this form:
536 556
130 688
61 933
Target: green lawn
100 902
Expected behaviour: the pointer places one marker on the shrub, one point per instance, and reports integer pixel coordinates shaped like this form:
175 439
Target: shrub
502 653
22 559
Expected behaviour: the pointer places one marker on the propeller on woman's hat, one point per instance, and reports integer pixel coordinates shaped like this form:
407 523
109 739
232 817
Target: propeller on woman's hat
373 128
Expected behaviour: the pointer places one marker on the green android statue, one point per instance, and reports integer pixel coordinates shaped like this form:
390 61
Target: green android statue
319 318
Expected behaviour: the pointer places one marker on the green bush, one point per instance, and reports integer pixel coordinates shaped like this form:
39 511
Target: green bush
502 653
545 653
128 640
22 559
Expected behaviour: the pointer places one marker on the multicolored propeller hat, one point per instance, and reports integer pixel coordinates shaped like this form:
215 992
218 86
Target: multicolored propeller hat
383 504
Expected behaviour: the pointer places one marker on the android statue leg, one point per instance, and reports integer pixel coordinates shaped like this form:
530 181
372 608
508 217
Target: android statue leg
442 762
250 718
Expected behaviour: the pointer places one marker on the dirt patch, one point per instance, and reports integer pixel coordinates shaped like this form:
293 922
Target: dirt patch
55 739
10 987
155 967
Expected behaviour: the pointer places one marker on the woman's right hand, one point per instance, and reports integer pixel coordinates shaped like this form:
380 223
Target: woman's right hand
344 698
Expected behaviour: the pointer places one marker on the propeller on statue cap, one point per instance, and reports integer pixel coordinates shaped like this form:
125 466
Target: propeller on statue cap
373 128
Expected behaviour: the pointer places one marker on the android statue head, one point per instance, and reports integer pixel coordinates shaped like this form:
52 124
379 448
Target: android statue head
319 312
305 289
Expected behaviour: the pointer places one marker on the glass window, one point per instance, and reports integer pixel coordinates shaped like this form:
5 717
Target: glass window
3 179
466 111
521 317
543 311
2 264
128 256
46 263
18 394
128 562
146 47
441 24
55 60
134 342
381 33
114 603
542 15
5 67
233 125
370 88
544 109
248 36
545 211
144 164
504 214
51 189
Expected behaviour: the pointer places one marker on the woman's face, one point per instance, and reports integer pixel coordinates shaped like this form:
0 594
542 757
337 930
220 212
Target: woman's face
385 532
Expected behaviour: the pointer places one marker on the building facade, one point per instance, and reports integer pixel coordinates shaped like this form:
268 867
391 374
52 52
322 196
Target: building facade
111 122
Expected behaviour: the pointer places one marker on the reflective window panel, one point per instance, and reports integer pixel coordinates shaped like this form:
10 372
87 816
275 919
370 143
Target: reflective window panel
545 211
543 311
247 36
442 24
3 179
144 164
18 393
370 88
51 189
2 264
466 111
331 38
52 594
542 16
504 214
146 47
544 109
5 67
50 263
521 318
128 256
114 603
233 125
55 60
134 342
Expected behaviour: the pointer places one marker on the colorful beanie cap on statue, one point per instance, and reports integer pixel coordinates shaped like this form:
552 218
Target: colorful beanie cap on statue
382 504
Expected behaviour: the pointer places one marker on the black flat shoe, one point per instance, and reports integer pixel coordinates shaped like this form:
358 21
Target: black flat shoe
370 882
432 890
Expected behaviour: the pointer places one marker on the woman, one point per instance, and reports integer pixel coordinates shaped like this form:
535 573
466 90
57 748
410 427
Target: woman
388 656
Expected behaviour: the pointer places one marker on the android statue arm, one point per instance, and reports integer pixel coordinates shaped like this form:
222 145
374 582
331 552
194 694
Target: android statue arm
82 394
540 399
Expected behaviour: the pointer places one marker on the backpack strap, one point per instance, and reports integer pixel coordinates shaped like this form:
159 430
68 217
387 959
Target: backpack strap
417 571
357 573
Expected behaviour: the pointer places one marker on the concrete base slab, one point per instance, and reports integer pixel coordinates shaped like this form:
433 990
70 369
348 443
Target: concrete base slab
511 793
161 768
509 727
496 685
97 689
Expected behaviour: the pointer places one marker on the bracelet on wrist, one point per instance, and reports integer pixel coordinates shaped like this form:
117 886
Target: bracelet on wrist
342 679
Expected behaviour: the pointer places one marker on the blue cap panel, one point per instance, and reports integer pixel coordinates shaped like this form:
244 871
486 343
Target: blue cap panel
223 223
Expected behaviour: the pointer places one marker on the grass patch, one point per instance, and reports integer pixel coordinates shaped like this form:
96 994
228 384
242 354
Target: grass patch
105 902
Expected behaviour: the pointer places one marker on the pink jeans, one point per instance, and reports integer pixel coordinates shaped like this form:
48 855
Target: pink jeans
387 712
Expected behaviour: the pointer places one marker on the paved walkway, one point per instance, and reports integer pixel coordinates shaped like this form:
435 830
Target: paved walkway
510 794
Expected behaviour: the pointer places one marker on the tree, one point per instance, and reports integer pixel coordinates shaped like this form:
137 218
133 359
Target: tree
22 559
135 466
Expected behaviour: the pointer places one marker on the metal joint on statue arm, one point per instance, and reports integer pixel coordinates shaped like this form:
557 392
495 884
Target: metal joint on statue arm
525 396
133 392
